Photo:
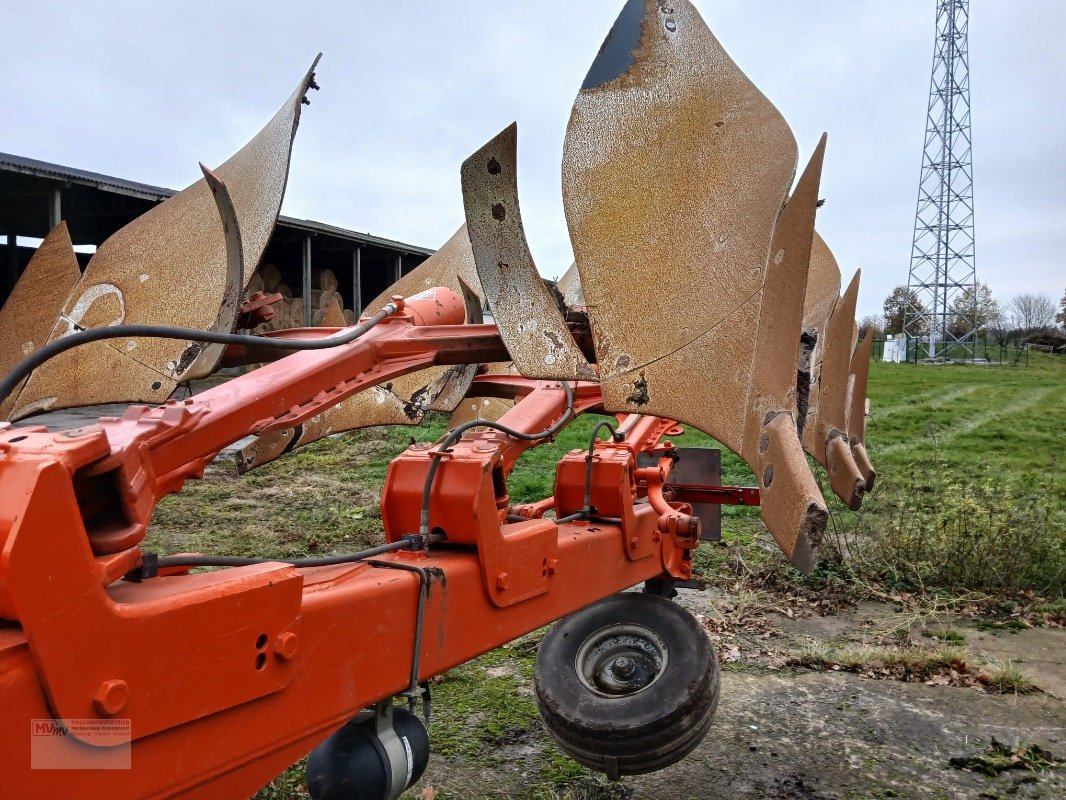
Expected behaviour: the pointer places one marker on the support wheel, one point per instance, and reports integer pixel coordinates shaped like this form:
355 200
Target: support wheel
628 685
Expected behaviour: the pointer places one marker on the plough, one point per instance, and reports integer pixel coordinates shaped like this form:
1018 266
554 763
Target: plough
700 296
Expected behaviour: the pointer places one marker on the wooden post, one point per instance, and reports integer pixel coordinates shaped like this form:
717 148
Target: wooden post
398 270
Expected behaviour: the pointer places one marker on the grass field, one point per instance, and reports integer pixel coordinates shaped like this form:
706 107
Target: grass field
978 441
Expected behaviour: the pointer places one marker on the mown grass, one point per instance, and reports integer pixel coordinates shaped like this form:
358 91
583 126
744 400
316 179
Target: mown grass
1007 418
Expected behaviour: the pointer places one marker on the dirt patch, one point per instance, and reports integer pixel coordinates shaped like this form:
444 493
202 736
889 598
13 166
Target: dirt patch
782 733
820 736
846 737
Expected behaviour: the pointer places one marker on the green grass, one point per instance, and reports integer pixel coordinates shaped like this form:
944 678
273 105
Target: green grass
971 493
1008 419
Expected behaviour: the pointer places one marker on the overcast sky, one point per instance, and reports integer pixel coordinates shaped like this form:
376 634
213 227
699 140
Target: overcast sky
143 90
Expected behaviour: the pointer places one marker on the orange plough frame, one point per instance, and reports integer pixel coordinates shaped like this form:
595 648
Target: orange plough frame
229 676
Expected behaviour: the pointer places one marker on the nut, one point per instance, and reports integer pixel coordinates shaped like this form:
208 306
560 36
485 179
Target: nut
111 697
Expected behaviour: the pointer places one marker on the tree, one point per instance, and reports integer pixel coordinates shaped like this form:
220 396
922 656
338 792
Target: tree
1034 311
1061 316
896 307
974 310
871 322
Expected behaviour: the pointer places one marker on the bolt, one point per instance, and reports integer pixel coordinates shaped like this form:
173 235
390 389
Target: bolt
623 667
111 697
633 543
553 566
503 580
285 646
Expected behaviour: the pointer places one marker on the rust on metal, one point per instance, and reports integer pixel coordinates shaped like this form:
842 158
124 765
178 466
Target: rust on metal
28 315
792 504
825 434
491 408
167 267
530 322
452 262
406 399
823 288
206 357
673 175
569 287
675 169
860 371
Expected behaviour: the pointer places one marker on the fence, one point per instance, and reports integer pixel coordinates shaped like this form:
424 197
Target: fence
986 350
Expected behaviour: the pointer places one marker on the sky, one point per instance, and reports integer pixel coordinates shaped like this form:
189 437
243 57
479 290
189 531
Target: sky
144 90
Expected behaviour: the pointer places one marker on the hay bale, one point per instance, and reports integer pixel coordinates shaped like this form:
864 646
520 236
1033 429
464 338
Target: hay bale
320 298
296 312
324 280
255 284
271 277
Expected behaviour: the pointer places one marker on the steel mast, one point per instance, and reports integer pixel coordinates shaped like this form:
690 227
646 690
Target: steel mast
942 256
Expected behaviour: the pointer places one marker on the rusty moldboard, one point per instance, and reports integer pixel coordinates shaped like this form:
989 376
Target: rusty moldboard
826 431
530 322
675 169
167 267
569 287
28 315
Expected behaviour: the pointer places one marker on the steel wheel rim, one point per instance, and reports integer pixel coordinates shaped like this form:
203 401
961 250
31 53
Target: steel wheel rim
621 660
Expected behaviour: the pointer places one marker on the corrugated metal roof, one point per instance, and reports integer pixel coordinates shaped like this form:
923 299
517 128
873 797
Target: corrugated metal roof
42 169
108 183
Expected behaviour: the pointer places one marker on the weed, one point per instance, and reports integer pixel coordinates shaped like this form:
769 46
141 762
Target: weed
961 534
1008 678
814 654
1000 758
950 636
1054 610
907 662
584 786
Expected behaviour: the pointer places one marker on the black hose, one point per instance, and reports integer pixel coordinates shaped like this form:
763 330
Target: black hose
587 510
322 561
454 435
23 369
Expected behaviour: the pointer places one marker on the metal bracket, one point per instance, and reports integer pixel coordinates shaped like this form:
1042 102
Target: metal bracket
398 752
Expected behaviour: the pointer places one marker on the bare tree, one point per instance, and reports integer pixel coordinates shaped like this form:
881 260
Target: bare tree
974 310
1061 316
872 322
1034 311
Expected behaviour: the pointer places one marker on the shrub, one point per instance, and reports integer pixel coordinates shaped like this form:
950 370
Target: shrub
953 533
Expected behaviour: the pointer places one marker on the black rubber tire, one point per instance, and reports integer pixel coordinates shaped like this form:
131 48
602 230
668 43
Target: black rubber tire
642 732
